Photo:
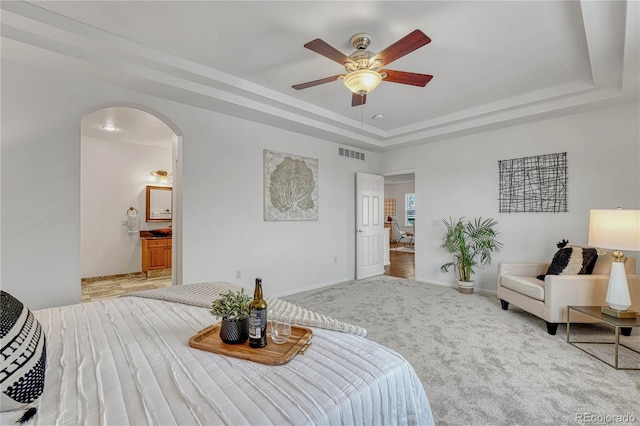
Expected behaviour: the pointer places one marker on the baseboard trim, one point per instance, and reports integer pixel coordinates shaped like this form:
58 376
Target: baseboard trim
313 287
450 285
343 280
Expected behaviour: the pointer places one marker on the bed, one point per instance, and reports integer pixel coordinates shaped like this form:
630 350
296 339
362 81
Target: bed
127 361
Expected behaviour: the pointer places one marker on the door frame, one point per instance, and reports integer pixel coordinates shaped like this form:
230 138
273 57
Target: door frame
415 187
420 230
176 233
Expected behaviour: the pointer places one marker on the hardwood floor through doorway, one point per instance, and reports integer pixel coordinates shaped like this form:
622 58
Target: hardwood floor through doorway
403 265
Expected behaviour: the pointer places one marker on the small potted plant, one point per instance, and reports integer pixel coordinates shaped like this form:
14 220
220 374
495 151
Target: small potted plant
469 242
233 307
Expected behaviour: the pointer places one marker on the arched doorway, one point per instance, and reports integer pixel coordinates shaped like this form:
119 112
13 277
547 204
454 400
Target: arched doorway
120 148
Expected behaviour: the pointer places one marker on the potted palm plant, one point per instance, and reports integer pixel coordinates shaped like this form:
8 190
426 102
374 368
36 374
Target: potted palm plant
469 242
233 307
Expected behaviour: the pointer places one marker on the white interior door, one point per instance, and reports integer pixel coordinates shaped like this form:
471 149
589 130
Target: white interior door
369 225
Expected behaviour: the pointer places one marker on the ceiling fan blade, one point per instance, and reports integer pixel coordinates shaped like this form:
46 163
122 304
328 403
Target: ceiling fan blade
357 100
323 48
317 82
405 45
404 77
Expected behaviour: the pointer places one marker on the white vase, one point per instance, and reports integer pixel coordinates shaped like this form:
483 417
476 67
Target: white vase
465 287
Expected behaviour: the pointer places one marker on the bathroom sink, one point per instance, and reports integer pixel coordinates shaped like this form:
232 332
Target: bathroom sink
164 232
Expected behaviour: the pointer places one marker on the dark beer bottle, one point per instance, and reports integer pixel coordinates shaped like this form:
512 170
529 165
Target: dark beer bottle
258 318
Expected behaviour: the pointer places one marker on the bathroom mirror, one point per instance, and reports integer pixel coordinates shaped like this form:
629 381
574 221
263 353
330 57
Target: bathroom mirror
159 202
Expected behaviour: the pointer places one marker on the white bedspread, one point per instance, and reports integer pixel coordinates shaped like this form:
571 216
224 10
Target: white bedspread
127 362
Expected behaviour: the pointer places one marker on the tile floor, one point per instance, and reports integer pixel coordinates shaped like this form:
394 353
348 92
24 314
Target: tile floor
110 287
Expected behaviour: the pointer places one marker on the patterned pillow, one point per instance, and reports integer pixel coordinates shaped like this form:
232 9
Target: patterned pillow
571 261
23 359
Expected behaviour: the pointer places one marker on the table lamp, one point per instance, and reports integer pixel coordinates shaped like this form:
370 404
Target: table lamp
616 229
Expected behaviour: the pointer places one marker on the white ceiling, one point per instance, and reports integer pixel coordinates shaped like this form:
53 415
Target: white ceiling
495 63
129 125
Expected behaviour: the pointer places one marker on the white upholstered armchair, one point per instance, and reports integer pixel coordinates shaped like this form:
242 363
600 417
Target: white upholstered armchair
548 299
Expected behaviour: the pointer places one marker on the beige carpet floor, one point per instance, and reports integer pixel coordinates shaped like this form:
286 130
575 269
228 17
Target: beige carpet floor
481 365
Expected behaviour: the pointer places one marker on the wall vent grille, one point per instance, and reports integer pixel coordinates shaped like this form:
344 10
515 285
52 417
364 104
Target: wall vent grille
349 153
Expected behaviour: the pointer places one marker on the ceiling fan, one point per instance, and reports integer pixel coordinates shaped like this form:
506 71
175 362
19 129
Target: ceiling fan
363 67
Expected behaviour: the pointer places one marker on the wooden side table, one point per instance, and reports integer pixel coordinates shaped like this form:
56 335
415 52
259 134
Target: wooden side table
618 325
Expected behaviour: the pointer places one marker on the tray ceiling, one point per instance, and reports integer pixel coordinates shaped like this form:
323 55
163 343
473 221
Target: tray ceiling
494 64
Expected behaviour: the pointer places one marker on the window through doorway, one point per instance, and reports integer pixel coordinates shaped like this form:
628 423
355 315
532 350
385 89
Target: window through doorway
410 209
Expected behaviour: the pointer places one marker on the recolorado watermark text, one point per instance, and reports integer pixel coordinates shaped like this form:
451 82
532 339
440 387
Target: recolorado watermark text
605 418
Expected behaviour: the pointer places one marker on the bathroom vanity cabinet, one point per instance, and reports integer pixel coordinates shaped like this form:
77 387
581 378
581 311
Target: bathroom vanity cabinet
156 253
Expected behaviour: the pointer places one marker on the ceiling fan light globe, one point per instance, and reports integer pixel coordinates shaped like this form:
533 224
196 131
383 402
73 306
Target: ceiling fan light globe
362 82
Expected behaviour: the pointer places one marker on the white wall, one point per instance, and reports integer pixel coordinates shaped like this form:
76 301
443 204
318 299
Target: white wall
223 178
223 230
459 177
223 226
114 176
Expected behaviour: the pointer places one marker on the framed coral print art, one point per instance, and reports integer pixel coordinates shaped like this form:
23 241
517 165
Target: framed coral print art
290 187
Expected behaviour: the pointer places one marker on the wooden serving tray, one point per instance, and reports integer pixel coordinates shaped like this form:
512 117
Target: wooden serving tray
208 339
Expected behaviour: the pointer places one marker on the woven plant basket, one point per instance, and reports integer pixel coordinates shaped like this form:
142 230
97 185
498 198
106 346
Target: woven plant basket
465 287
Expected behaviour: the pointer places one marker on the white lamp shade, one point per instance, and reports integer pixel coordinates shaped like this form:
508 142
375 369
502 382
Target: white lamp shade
615 229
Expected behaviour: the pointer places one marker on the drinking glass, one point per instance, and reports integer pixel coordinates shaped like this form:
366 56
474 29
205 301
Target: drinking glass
280 328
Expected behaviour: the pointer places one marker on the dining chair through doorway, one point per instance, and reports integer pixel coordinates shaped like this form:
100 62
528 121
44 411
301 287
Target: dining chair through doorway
399 234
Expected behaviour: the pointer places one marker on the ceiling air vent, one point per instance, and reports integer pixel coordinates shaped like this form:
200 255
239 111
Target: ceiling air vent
343 152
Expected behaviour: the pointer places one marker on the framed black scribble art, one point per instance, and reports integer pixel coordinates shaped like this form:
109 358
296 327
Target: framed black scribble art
533 184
